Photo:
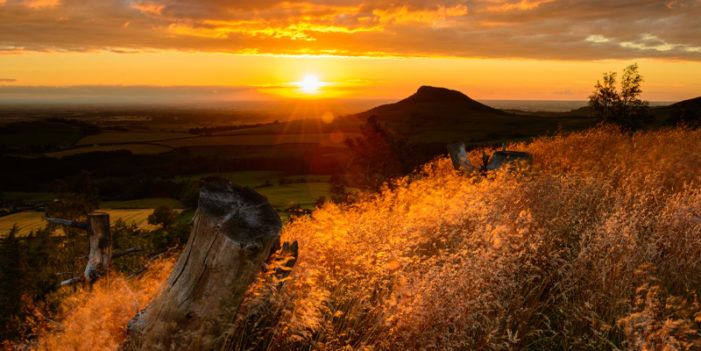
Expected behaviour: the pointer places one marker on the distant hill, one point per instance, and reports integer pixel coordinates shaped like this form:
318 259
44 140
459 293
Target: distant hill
690 104
440 115
430 103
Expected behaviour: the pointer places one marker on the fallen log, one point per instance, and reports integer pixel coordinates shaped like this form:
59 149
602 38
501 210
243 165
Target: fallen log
502 158
233 232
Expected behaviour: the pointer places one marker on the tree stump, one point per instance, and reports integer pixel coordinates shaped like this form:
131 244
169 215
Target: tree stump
502 158
100 240
233 232
459 157
100 246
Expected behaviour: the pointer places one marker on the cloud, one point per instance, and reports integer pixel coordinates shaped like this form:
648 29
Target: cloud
539 29
125 94
7 80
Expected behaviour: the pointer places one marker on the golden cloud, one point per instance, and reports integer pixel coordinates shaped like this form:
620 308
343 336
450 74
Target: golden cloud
551 29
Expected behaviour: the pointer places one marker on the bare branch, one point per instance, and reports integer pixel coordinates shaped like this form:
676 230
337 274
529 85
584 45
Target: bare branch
126 252
67 223
76 279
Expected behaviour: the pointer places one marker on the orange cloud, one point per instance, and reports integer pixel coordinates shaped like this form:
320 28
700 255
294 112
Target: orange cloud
543 29
403 15
39 4
152 9
521 5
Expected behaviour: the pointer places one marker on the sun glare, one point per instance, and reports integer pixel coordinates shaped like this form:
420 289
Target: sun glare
310 84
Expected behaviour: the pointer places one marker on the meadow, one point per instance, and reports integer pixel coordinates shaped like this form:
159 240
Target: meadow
595 246
28 221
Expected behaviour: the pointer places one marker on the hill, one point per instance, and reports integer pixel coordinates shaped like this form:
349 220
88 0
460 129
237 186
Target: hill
440 115
690 104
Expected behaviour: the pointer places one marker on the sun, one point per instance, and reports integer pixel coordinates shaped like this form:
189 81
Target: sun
310 84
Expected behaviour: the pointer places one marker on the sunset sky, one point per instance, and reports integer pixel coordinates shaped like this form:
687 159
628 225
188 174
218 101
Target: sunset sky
256 50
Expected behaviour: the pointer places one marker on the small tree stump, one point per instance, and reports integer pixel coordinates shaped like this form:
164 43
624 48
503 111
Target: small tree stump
100 246
233 232
459 157
100 240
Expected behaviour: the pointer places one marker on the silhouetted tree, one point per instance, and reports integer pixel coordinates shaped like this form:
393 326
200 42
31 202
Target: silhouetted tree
624 107
377 156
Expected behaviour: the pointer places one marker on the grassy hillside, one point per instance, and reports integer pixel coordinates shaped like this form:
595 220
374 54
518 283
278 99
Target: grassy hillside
596 246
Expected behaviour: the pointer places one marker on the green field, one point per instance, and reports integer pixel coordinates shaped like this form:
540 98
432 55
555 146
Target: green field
41 132
18 195
129 137
280 196
305 194
244 178
149 203
134 148
324 139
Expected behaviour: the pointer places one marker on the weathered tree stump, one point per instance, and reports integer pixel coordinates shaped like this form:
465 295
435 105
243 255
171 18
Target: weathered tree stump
233 232
99 258
100 246
498 159
459 157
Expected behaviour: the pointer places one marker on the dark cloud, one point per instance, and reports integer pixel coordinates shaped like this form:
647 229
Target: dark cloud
542 29
7 80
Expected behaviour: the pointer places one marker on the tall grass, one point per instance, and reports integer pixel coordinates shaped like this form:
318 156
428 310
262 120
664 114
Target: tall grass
596 246
96 319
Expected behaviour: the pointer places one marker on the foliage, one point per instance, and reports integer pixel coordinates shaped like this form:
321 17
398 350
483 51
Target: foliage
190 193
163 216
77 197
624 107
377 156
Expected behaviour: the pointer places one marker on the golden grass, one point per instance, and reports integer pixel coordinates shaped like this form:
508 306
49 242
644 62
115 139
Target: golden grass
596 246
96 319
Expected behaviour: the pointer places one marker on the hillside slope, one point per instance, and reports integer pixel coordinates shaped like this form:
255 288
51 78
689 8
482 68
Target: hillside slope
596 246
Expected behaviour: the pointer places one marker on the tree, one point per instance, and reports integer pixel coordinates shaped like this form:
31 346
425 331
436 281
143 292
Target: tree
624 107
163 216
10 285
377 156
